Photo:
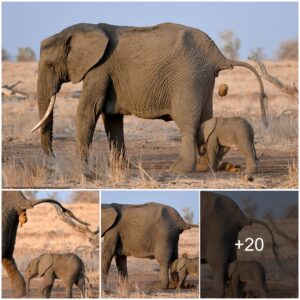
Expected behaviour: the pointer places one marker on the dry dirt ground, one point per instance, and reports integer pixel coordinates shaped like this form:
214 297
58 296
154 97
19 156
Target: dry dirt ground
282 283
152 145
44 232
144 274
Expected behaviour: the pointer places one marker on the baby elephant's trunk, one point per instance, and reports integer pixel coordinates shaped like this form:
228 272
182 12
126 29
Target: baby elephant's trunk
27 282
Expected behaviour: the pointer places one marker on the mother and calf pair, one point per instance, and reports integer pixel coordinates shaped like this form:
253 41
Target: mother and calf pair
67 267
163 72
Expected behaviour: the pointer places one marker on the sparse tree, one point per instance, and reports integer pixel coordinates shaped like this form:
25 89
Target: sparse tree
188 215
250 207
26 54
257 54
288 50
231 44
85 197
5 55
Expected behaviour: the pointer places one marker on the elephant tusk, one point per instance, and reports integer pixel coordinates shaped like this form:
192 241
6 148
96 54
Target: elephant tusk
46 115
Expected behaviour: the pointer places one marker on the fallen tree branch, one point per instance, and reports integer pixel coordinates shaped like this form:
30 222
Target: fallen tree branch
9 91
92 236
291 90
289 239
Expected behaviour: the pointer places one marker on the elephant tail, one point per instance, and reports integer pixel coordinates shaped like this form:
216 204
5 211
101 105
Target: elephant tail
274 245
194 225
230 64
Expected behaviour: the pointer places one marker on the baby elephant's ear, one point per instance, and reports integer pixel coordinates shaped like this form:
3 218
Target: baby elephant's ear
232 268
45 263
181 263
108 217
208 127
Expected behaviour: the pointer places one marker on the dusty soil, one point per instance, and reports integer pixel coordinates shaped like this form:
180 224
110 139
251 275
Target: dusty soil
144 275
152 145
45 233
282 283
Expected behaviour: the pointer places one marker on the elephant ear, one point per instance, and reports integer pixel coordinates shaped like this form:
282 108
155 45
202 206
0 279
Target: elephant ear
181 263
232 267
108 217
86 48
45 263
208 127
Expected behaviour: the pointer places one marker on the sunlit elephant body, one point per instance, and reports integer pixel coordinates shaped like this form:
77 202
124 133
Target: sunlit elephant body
161 72
149 230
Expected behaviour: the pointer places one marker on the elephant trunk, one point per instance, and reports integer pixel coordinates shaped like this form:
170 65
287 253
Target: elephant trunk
27 282
46 100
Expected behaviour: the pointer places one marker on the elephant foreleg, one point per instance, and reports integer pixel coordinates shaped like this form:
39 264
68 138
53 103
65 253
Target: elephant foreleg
187 158
121 262
182 277
107 253
212 150
218 284
114 129
47 284
88 111
17 280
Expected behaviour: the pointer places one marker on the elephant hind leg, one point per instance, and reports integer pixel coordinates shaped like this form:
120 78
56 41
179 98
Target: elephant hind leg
17 280
81 285
247 150
121 262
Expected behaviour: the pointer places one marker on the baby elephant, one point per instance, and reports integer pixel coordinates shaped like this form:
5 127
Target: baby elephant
68 267
217 135
242 273
184 266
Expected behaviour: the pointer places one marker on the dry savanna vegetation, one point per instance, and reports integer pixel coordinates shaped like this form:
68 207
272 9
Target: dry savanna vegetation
152 145
282 282
45 232
143 274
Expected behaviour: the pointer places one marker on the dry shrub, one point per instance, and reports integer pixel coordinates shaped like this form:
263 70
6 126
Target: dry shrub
293 174
288 50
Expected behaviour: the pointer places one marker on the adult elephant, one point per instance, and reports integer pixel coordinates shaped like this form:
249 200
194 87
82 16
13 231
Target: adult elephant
162 72
221 221
14 206
149 230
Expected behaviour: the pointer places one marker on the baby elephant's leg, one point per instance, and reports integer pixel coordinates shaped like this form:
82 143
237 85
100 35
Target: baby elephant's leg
81 285
47 284
247 149
182 276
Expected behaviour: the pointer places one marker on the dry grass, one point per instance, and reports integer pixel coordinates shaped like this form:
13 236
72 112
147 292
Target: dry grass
144 274
44 232
152 145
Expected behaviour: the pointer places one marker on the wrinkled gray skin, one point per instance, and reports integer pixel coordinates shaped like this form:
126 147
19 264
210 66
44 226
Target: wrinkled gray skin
67 267
242 273
217 135
184 266
13 204
221 221
162 72
149 230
